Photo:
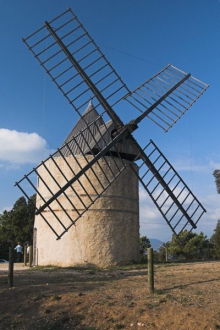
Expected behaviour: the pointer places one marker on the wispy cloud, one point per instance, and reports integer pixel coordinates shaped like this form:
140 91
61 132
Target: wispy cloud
214 165
188 166
21 148
148 211
7 208
153 225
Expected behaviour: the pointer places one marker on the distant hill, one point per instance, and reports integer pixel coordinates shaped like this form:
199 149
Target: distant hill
155 243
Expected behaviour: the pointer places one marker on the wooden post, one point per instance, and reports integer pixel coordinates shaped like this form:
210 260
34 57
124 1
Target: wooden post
30 255
166 253
25 255
150 269
11 267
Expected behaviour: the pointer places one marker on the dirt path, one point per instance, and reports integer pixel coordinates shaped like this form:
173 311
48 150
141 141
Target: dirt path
187 296
17 266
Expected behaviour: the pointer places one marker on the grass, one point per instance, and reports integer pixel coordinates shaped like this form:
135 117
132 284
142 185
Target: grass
39 297
159 291
55 297
113 298
119 326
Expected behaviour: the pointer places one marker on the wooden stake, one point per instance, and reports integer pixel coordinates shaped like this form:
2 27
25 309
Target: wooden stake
25 255
166 253
150 269
30 255
11 267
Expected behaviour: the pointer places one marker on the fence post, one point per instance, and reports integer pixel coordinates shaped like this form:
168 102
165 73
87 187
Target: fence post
150 269
11 267
30 255
166 254
25 255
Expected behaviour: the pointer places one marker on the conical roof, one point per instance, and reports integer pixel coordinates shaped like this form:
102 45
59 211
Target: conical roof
88 124
91 134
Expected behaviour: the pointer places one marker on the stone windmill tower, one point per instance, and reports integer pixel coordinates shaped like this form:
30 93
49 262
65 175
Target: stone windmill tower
108 232
87 191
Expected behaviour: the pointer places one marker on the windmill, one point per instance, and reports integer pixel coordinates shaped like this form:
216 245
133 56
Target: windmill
101 163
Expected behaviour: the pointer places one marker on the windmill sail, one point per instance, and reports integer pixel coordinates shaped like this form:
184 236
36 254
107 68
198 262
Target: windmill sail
176 202
76 165
165 97
76 64
82 73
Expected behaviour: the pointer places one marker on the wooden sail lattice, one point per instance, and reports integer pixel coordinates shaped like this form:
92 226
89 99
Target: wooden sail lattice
83 74
77 178
162 182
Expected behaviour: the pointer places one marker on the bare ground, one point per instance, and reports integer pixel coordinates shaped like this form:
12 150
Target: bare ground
186 296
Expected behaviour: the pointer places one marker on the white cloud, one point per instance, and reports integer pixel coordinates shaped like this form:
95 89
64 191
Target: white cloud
214 165
212 205
20 148
188 165
153 225
148 211
7 208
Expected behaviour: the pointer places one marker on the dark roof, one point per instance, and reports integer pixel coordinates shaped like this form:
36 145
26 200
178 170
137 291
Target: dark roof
92 134
88 124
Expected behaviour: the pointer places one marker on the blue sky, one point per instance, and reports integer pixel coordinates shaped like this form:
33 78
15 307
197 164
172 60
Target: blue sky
139 38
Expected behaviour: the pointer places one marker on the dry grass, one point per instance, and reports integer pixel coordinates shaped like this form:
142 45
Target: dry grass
187 296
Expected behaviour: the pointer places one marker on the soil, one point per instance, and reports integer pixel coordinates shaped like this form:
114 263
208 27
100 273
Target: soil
186 296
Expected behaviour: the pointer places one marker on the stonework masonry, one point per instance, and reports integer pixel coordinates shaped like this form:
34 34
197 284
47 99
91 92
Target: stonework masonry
107 233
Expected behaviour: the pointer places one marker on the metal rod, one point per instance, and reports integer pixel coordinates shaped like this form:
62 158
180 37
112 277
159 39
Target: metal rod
158 73
67 197
178 176
141 117
74 190
87 55
101 99
34 205
64 24
83 170
65 12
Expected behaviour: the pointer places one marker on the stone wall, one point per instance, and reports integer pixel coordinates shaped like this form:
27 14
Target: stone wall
106 234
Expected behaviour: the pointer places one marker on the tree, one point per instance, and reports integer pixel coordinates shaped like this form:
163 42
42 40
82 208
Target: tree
160 255
215 240
144 245
17 224
193 247
216 174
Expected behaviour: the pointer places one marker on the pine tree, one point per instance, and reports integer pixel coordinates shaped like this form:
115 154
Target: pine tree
216 174
17 224
194 246
215 239
144 245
